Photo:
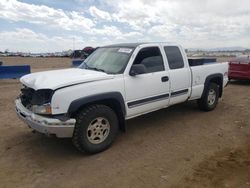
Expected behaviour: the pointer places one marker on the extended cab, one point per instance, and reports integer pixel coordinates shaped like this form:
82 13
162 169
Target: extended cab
115 83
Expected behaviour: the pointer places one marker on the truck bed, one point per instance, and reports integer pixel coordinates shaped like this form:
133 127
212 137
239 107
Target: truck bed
200 61
200 73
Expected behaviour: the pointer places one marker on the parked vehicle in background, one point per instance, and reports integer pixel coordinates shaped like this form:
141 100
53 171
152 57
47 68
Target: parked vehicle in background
76 54
117 82
89 50
239 68
79 56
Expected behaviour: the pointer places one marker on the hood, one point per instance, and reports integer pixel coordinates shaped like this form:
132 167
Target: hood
60 78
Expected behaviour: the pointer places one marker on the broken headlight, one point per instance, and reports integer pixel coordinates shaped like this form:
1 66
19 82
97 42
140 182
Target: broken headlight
41 99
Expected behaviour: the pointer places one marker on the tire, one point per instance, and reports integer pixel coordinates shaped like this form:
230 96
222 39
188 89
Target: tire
210 98
95 129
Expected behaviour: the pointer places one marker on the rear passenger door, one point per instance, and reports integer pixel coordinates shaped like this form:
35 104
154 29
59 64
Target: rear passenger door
148 91
180 76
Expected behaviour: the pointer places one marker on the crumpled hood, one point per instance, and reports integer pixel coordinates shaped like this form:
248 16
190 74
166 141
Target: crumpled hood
60 78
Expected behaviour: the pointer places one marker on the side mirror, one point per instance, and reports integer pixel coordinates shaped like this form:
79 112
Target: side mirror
137 69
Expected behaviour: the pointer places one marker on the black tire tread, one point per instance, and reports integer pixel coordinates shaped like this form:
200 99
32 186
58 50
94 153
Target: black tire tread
79 118
202 102
76 135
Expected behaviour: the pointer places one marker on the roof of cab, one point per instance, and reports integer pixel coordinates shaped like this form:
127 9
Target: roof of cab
134 45
129 45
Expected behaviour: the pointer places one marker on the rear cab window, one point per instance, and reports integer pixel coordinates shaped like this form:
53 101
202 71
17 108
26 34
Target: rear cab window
174 57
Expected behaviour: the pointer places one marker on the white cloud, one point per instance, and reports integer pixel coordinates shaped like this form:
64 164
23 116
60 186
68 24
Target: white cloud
224 21
72 21
130 37
26 40
99 14
107 31
140 14
39 14
194 23
135 13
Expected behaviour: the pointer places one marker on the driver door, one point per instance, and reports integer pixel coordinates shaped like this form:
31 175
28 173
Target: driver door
147 91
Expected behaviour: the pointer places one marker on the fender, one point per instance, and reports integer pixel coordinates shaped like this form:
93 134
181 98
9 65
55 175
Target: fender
116 99
217 78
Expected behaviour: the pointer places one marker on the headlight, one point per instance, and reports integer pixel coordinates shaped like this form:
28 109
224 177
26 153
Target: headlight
42 109
42 96
41 101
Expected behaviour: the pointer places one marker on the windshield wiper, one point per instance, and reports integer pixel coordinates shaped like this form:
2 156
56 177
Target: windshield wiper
97 69
93 68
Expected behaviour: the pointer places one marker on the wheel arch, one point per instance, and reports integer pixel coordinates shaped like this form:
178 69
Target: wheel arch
114 100
214 78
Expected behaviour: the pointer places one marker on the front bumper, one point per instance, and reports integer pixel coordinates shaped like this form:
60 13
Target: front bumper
48 126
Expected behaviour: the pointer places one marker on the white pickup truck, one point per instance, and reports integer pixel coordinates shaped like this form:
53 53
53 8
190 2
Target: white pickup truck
115 83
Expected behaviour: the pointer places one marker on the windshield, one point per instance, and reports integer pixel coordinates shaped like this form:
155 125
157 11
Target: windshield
112 60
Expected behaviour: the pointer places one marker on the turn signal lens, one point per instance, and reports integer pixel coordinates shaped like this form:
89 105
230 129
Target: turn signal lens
42 109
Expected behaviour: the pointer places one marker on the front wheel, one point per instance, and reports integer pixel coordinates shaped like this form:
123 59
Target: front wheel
95 129
210 98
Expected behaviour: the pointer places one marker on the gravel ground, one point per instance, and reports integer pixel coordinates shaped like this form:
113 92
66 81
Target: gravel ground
175 147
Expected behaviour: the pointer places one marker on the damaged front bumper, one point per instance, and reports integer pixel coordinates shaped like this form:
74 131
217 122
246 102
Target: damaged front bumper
48 126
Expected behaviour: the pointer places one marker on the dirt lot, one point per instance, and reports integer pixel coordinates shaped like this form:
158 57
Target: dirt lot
175 147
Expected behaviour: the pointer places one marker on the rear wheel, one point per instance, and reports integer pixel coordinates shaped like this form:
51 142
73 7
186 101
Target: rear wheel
210 98
95 129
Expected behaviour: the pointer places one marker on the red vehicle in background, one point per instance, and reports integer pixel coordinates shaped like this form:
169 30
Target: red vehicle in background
239 68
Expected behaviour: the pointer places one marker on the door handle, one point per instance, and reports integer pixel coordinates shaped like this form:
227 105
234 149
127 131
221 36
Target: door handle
164 78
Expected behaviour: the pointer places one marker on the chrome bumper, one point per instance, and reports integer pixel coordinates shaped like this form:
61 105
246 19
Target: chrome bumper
48 126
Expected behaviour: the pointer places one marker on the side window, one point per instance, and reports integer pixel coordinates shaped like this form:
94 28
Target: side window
174 57
151 58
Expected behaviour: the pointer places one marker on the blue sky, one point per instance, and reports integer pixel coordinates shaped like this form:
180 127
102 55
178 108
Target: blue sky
53 25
